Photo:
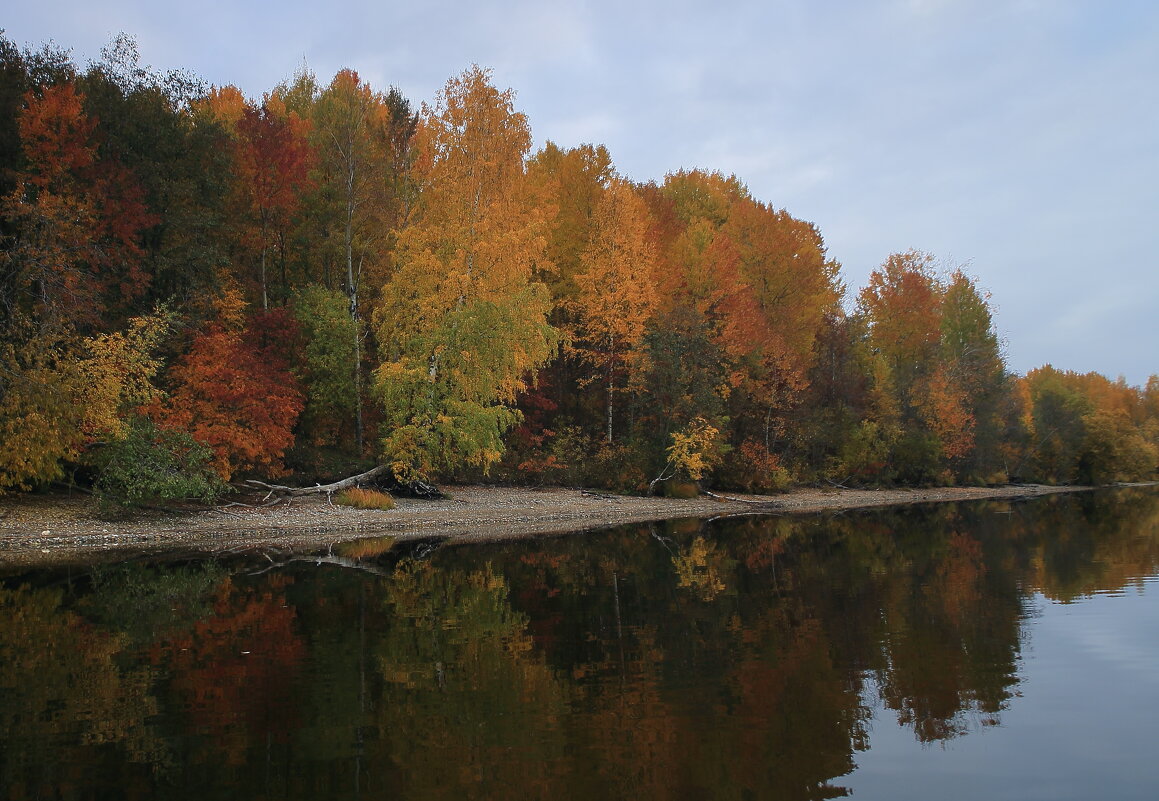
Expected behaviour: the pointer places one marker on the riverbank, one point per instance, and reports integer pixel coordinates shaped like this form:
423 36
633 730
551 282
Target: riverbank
58 529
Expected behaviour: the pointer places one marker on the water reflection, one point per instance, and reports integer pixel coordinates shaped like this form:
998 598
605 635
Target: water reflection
750 658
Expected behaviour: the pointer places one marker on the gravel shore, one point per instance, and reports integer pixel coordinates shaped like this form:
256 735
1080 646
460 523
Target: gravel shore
61 529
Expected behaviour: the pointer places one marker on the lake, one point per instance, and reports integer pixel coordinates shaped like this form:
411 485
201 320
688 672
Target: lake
978 650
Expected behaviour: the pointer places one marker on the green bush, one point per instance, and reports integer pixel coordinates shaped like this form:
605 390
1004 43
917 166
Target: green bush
152 465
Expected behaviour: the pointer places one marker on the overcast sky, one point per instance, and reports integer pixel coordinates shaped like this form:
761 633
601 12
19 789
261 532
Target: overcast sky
1019 138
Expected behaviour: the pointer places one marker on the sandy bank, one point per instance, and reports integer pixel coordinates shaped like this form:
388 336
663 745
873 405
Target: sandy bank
44 530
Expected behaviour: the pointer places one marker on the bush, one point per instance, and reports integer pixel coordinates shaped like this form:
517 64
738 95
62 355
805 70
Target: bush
152 465
753 469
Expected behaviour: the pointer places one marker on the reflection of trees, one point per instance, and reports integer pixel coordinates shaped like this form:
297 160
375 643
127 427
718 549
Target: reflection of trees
65 698
465 700
233 672
949 654
150 602
702 568
906 600
1093 542
687 694
728 660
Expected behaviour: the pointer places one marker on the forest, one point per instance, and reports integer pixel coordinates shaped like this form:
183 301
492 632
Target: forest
198 287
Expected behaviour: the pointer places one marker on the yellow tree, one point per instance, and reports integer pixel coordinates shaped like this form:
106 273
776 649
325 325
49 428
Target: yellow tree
461 322
573 181
615 294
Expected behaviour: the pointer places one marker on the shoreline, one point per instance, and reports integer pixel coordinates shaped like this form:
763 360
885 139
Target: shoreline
59 530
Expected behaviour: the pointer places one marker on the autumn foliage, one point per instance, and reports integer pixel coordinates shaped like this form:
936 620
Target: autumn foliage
326 276
236 394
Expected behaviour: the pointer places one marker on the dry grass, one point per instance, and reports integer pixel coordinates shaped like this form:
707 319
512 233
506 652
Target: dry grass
365 499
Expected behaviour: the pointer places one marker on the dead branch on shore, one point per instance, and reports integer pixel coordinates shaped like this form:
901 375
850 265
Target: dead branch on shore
767 504
322 489
417 489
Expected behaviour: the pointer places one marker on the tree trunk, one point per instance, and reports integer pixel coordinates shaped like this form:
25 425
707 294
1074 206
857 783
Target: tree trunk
611 384
352 291
327 489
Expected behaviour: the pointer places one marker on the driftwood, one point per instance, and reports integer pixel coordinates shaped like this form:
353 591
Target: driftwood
322 489
765 504
417 489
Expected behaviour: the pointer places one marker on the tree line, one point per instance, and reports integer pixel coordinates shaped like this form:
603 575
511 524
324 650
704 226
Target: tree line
197 286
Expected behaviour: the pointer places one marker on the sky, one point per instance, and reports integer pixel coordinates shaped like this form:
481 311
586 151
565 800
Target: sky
1015 139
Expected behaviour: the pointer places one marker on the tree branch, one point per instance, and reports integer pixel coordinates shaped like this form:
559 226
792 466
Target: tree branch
320 489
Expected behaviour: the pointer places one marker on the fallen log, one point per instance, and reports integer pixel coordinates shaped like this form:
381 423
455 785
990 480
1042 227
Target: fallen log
415 489
770 504
322 489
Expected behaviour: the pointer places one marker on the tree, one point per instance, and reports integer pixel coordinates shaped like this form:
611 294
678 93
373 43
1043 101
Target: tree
76 218
361 137
902 302
461 322
693 452
615 296
62 395
572 181
687 373
182 159
71 252
234 393
148 464
903 306
1088 428
973 363
274 160
777 287
329 335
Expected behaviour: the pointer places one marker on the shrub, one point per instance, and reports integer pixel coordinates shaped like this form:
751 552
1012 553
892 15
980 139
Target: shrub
153 465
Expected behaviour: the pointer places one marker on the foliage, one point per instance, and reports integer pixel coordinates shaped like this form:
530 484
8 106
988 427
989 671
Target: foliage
153 465
327 371
237 396
615 295
41 416
694 451
462 320
455 410
1088 429
540 306
117 371
60 395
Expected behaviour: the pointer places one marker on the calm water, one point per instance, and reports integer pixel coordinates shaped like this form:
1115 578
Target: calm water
984 650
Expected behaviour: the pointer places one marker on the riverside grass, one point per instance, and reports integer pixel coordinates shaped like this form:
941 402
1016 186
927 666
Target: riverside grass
365 499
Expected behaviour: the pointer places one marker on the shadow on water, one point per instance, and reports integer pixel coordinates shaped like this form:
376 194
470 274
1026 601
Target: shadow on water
746 658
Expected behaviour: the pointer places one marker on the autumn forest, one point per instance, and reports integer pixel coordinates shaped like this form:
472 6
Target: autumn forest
197 287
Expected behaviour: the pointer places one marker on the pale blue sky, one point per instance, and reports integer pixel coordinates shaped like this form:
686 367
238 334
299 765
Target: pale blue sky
1017 137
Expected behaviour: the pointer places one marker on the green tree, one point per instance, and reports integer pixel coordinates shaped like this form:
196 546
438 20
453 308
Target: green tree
329 334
